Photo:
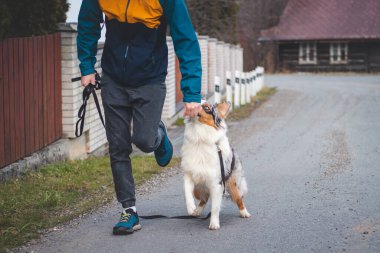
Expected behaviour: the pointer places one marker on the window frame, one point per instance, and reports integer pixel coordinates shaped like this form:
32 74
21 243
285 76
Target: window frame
304 53
336 49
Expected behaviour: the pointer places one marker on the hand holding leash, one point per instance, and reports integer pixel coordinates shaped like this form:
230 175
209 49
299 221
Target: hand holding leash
91 83
89 79
192 109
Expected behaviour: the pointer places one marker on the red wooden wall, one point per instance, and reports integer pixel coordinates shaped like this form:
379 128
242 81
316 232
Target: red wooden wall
30 95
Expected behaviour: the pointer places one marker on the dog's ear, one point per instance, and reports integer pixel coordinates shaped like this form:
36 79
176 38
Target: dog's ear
223 109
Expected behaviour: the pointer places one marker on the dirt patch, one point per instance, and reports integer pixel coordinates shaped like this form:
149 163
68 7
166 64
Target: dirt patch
338 156
367 227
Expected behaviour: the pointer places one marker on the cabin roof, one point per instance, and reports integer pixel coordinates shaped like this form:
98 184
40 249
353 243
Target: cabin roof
326 20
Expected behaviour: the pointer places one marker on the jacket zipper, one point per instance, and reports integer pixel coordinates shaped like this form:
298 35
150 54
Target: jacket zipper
126 11
125 57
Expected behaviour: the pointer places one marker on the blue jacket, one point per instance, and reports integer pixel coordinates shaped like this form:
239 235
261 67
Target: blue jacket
135 50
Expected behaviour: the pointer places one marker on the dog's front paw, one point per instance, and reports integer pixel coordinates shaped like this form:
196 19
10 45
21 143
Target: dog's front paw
214 226
197 212
191 210
244 213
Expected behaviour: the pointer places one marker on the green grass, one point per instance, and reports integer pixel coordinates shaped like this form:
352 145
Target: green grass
246 110
59 192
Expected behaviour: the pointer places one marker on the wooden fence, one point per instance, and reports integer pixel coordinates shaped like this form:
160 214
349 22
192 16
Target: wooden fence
30 95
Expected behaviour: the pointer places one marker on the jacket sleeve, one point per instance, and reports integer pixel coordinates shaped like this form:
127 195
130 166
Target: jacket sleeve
186 47
90 17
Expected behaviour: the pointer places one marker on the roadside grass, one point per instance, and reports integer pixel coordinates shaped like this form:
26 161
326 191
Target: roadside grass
246 110
58 193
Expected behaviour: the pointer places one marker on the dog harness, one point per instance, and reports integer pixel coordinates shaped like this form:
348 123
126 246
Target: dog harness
225 176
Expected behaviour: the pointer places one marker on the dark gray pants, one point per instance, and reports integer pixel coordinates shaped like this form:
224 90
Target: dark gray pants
143 105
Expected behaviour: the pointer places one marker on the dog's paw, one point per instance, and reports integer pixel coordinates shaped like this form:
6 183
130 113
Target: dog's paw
191 210
197 212
214 226
244 213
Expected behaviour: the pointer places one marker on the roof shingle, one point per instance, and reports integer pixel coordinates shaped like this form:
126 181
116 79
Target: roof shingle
327 20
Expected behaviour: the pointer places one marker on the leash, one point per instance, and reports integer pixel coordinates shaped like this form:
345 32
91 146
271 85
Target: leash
87 91
184 217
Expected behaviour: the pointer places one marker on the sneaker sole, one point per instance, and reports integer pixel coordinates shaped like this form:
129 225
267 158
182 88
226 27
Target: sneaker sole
126 232
171 145
163 165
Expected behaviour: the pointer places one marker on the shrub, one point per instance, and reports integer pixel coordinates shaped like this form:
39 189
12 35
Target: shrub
21 18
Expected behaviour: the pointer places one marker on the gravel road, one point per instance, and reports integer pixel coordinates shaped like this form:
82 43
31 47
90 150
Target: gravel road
312 160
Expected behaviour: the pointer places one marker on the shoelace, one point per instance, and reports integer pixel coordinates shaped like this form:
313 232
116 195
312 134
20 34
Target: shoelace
125 217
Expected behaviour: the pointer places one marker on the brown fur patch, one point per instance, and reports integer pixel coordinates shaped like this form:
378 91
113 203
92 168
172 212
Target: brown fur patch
206 118
235 193
222 109
202 196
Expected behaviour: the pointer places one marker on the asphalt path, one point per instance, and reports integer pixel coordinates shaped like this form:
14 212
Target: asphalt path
312 160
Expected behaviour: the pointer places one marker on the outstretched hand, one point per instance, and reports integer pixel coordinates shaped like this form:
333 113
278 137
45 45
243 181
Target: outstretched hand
192 109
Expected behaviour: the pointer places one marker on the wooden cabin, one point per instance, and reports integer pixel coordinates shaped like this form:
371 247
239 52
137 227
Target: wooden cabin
327 36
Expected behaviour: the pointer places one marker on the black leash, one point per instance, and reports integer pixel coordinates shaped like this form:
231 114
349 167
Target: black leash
87 91
184 217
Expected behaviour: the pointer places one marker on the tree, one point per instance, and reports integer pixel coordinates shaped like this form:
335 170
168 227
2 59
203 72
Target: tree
217 18
22 18
254 16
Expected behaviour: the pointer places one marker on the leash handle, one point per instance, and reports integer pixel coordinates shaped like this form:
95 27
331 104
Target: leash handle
97 79
87 91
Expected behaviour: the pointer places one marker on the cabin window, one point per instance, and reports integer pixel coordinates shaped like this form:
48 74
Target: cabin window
307 53
338 53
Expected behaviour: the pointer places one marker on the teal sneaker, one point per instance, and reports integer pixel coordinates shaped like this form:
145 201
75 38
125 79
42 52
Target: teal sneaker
164 152
129 222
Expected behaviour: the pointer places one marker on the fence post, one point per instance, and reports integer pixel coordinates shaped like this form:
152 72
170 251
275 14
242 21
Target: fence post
237 90
249 87
212 65
217 89
229 87
243 88
251 78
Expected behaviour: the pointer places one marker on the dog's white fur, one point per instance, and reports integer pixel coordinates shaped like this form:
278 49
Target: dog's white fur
201 166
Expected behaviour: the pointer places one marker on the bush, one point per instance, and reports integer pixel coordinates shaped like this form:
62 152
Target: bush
21 18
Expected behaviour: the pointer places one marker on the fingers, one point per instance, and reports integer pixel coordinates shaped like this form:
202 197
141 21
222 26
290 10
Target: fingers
86 80
192 109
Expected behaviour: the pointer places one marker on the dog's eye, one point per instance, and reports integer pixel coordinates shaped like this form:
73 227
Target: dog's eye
206 108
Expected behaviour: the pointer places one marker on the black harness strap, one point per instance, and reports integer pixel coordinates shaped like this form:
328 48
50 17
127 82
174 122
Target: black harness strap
87 91
222 171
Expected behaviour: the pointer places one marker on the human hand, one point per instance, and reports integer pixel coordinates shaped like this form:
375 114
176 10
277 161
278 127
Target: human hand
86 80
192 109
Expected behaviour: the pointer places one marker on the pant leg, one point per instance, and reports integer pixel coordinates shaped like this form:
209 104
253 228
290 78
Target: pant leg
118 115
148 101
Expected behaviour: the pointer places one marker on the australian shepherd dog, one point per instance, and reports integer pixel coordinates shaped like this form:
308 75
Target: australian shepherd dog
210 165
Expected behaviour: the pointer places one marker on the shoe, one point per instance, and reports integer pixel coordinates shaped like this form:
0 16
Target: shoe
164 152
129 222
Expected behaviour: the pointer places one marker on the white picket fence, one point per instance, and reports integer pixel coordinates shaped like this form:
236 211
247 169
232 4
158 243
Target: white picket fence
223 76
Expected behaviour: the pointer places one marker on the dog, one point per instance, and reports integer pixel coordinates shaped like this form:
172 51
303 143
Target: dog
205 136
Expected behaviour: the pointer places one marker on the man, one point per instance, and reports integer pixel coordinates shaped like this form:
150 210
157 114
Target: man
134 64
